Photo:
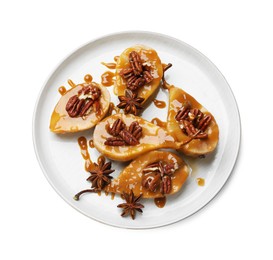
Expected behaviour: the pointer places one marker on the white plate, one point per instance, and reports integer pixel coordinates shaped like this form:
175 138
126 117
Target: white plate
59 155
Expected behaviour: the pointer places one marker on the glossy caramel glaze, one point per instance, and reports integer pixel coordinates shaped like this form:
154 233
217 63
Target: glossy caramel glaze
200 181
88 78
148 56
112 108
109 65
62 90
131 176
61 122
158 122
107 79
153 137
91 144
71 83
89 166
160 202
116 58
197 147
159 104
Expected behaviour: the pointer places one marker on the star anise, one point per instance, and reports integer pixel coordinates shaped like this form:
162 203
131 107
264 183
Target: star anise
130 102
99 178
132 204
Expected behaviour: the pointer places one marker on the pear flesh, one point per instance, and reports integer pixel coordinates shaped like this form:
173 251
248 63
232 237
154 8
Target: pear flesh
153 137
131 176
196 147
150 58
62 123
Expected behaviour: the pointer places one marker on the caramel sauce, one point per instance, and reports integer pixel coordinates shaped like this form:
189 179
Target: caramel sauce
61 122
71 83
160 202
159 104
113 195
89 165
112 108
91 144
107 78
165 84
62 90
200 181
178 97
109 65
131 176
116 58
88 78
158 122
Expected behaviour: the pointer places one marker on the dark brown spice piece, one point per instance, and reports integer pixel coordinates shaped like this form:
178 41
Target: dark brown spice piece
130 102
131 205
99 178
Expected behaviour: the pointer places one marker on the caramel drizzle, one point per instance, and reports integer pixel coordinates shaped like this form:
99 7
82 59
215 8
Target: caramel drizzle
109 65
89 165
165 84
62 90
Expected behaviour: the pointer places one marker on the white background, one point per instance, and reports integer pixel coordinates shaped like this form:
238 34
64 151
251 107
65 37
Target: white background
37 224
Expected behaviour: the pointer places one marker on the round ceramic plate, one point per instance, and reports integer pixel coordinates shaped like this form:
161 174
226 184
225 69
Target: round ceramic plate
59 155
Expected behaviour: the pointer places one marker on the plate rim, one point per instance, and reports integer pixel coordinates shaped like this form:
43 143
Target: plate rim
157 34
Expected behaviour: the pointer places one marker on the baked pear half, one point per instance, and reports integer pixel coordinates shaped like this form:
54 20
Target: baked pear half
80 108
139 69
124 137
188 118
154 175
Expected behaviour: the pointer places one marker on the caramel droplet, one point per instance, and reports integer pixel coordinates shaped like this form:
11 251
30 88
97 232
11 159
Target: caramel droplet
159 104
160 202
91 144
88 78
89 165
116 58
62 90
200 181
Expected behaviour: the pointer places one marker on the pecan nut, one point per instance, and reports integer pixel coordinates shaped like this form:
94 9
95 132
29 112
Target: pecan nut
114 141
128 137
158 175
117 126
82 103
151 181
166 185
135 62
122 136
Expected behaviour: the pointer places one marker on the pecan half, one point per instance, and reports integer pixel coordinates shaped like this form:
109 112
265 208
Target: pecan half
122 135
114 141
158 176
193 122
166 185
128 137
135 62
138 74
151 181
83 103
117 126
